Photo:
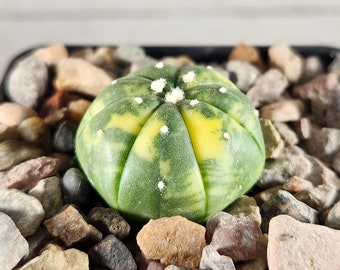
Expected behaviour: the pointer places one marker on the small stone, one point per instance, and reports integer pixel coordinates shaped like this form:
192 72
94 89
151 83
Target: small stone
54 257
336 163
243 74
273 141
56 118
268 87
13 152
291 162
287 134
283 110
323 93
172 240
303 128
109 221
288 60
128 53
324 144
70 226
178 61
265 195
13 246
211 259
27 82
25 210
77 109
320 197
51 55
245 207
248 54
25 175
48 192
8 133
260 262
80 76
296 184
238 238
295 245
142 62
85 53
103 58
112 254
334 66
12 114
34 131
63 137
313 67
283 202
75 188
333 217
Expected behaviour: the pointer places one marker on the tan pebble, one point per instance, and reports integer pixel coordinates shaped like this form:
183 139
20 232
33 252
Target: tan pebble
248 54
51 55
77 109
80 76
12 114
283 110
178 61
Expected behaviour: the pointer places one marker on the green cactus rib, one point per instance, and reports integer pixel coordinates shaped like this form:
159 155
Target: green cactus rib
150 155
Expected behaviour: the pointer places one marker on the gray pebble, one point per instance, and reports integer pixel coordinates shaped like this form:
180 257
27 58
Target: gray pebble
13 246
113 254
287 134
76 188
333 217
25 210
284 202
336 163
142 62
211 259
13 152
242 74
129 53
63 137
48 192
335 65
27 81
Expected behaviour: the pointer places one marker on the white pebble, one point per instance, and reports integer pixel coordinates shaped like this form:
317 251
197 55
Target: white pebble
189 77
158 85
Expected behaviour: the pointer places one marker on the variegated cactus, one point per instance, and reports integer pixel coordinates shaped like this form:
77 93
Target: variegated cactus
166 141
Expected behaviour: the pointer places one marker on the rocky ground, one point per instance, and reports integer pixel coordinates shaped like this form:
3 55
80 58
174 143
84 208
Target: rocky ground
52 219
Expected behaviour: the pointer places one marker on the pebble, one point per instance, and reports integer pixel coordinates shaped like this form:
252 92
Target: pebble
109 221
273 141
244 74
248 54
333 217
245 206
70 226
142 62
324 144
34 131
86 53
51 55
268 87
54 257
103 57
313 67
112 254
8 133
295 245
238 238
320 197
283 110
287 60
334 66
75 188
336 163
291 162
78 75
297 184
63 137
211 259
324 95
12 114
284 202
26 175
48 192
287 134
26 83
13 152
77 109
172 240
303 128
25 210
13 246
128 53
178 61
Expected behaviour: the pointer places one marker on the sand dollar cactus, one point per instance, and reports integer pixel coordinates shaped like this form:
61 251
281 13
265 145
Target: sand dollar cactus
167 141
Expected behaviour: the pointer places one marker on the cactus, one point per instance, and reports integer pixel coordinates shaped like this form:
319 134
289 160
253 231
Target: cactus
166 141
